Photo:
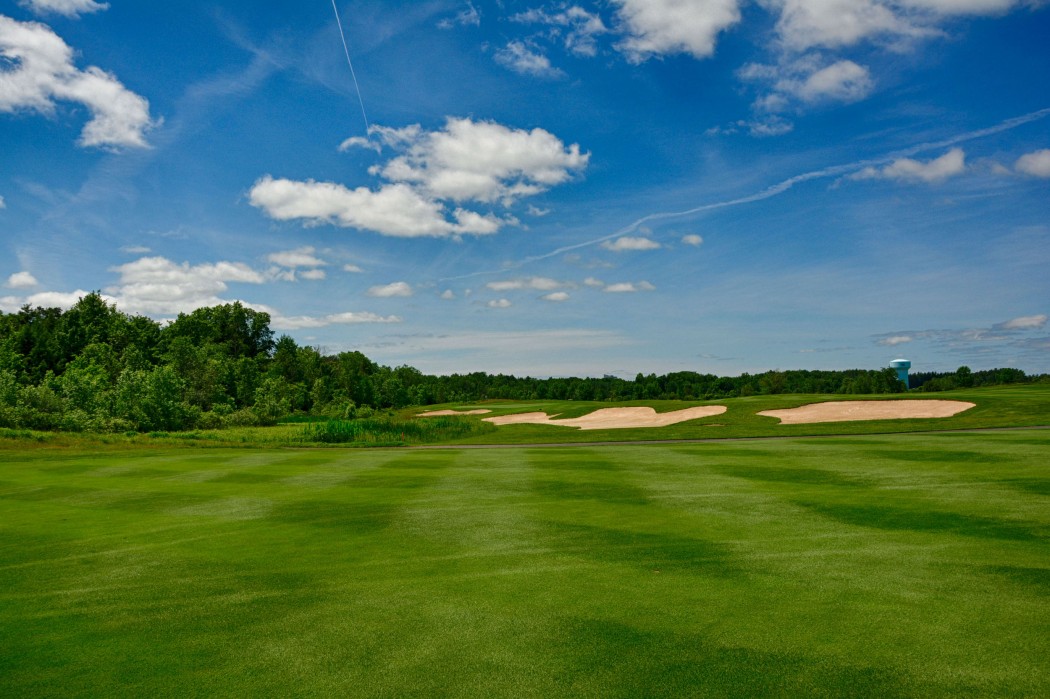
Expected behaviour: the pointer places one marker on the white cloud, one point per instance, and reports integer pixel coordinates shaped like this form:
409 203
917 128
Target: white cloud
354 269
300 257
521 59
40 71
360 142
485 162
628 243
67 8
467 17
1036 164
279 322
500 303
156 285
21 280
770 125
467 161
1023 323
594 283
843 81
535 283
557 297
395 210
805 80
806 24
60 299
135 249
390 290
281 275
810 30
937 170
3 205
448 294
582 26
693 239
660 27
895 340
629 287
313 274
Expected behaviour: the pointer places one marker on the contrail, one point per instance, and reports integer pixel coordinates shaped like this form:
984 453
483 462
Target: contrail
346 51
778 188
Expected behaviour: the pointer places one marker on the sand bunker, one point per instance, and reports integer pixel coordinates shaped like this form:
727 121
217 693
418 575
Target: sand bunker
439 413
847 410
612 418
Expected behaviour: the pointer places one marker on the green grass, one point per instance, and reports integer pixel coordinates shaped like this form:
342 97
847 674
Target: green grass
865 566
1001 406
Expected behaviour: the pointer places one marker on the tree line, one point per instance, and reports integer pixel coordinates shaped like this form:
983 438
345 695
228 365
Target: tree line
95 368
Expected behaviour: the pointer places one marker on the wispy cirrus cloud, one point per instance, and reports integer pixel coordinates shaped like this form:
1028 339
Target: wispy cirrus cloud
280 322
1015 332
576 27
1022 323
466 17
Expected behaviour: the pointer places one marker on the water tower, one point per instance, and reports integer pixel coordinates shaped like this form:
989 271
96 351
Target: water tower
902 366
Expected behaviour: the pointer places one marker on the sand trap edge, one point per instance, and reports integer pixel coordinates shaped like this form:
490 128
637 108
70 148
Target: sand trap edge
865 410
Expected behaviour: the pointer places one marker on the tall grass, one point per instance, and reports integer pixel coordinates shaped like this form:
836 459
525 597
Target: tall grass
384 430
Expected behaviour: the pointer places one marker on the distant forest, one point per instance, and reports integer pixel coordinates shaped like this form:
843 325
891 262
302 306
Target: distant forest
94 368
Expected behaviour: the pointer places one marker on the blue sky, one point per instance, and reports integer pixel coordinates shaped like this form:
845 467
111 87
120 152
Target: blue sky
544 188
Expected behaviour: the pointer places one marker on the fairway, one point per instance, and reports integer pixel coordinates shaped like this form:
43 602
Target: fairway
874 565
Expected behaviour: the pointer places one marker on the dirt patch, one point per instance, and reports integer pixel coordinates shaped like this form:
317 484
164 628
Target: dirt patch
848 410
440 413
612 418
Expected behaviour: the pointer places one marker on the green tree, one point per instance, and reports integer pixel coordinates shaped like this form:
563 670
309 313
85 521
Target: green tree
273 400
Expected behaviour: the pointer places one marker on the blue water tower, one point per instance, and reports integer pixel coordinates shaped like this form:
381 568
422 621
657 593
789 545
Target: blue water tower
902 366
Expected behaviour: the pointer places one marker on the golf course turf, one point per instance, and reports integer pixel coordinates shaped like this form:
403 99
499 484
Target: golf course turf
882 566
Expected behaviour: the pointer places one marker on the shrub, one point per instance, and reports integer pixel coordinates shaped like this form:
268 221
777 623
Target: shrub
386 430
245 417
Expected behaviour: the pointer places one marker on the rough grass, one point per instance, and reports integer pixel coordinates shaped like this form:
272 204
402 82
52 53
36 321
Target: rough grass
1002 406
869 566
388 431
